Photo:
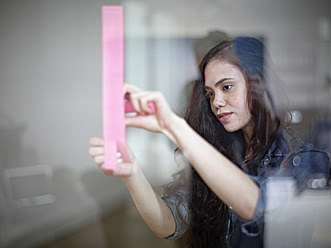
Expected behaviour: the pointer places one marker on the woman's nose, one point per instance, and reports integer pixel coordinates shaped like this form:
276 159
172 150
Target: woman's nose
219 101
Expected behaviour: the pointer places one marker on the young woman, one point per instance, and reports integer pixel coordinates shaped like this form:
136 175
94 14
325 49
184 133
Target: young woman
234 141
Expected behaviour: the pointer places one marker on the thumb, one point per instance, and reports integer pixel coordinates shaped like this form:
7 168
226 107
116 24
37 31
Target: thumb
123 148
135 121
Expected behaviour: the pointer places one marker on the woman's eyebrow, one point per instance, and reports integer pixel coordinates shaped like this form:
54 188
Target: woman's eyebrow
218 82
221 81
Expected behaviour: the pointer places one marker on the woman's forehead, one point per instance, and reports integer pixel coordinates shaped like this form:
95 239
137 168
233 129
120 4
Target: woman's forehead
218 70
220 67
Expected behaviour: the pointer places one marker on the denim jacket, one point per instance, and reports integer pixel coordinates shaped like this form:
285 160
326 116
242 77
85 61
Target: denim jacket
302 165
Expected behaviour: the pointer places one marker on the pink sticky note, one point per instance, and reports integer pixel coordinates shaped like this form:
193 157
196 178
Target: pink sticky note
129 108
114 131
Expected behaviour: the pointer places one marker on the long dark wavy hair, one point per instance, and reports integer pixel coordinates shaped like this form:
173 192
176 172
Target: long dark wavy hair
208 222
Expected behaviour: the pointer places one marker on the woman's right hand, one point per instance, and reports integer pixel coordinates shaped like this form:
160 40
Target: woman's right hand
156 119
96 151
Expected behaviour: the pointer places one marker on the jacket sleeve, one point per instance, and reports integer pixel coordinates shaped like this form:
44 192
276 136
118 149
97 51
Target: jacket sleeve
179 207
255 226
304 169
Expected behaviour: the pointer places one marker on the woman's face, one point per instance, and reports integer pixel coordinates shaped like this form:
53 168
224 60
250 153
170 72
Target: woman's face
226 88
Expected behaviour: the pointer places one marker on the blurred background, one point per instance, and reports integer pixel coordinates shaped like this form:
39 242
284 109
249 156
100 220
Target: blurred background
51 192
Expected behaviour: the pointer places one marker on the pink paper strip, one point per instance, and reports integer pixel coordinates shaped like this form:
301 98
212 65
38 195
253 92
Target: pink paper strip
129 108
114 132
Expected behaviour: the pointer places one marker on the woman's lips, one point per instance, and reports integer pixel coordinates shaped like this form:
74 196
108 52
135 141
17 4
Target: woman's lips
224 116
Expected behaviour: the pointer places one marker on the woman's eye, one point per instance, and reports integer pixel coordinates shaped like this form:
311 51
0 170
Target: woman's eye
227 87
209 94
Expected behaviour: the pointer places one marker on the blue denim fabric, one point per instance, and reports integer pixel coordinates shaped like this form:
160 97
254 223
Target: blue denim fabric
180 209
304 164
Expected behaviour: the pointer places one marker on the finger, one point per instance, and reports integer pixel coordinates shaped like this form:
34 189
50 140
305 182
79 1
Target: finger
119 158
128 89
135 121
95 141
139 101
148 101
95 151
135 99
99 160
148 106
